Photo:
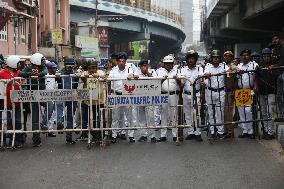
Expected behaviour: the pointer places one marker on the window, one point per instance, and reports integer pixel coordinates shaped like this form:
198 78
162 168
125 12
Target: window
3 33
23 31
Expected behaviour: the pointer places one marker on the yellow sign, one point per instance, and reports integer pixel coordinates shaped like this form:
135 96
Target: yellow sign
243 97
56 36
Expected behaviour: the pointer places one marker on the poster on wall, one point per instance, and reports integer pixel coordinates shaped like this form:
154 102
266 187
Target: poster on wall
140 49
89 46
103 37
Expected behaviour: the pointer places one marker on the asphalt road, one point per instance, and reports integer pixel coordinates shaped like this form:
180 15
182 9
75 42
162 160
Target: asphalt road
236 164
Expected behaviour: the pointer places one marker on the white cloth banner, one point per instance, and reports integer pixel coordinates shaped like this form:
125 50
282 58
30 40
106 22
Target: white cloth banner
53 95
136 100
141 87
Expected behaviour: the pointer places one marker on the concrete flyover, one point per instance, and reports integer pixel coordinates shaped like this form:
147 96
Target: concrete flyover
228 22
165 35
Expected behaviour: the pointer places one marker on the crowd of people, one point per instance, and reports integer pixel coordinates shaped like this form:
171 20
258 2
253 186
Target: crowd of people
214 83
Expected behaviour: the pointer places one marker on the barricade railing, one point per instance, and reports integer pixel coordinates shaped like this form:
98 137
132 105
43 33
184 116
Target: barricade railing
31 95
253 100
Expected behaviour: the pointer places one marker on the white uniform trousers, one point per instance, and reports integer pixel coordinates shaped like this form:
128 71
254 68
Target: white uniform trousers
268 110
190 113
169 115
118 115
215 102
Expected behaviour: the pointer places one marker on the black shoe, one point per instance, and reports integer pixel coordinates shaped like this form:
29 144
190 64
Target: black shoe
18 144
113 140
211 136
142 139
220 136
51 135
190 137
244 135
270 137
37 144
251 136
60 126
123 137
131 139
229 135
70 142
153 140
198 138
174 139
162 139
82 138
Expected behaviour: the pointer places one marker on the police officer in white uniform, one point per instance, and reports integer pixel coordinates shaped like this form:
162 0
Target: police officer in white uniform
171 87
215 93
121 72
146 114
191 72
246 81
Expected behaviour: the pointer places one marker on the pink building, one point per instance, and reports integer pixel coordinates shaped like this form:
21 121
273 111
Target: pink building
26 25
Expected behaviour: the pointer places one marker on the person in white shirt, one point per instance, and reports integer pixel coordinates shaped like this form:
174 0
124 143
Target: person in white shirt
215 93
120 73
171 87
246 81
146 114
191 72
51 84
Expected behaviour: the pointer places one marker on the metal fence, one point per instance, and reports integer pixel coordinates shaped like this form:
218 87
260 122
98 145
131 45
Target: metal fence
93 108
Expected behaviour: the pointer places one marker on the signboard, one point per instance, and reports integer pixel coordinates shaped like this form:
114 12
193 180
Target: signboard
89 46
137 100
243 97
141 87
56 36
103 36
53 95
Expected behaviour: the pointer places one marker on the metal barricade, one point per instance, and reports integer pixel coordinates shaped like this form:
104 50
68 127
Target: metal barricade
249 101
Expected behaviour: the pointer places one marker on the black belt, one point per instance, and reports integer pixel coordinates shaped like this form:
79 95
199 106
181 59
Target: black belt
171 92
118 93
228 90
216 90
189 93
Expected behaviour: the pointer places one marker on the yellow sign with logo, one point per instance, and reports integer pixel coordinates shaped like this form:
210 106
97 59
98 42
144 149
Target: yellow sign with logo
243 97
56 36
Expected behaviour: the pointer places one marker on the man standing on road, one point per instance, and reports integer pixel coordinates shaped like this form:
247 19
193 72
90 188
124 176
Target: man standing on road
246 81
171 87
191 72
215 93
146 114
120 73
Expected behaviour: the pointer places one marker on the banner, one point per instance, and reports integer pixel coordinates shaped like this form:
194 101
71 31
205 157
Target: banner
140 49
243 97
141 87
137 100
89 46
53 95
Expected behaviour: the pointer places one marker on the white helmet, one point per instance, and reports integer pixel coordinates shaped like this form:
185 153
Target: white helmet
12 61
36 59
168 59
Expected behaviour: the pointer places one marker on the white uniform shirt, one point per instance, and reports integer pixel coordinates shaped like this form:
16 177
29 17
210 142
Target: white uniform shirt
246 80
140 74
115 73
50 83
191 75
215 82
169 84
131 65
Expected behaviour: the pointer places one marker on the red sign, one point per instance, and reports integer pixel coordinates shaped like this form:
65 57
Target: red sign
103 36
